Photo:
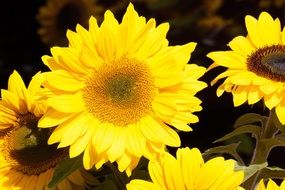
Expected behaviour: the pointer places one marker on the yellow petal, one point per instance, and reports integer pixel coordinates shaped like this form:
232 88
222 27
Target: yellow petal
16 84
252 28
228 59
67 103
107 40
153 127
241 45
53 118
135 140
68 60
240 95
74 128
241 78
280 112
13 101
268 30
128 30
273 100
124 162
80 144
156 174
119 144
93 29
172 173
154 42
191 161
254 95
104 136
272 185
61 80
142 185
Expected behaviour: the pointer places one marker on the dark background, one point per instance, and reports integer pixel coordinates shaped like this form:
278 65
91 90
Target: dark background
21 49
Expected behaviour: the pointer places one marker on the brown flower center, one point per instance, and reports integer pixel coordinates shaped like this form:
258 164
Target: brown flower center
268 62
120 92
26 148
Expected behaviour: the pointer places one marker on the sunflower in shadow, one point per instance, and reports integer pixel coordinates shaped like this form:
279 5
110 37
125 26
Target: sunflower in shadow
56 16
27 161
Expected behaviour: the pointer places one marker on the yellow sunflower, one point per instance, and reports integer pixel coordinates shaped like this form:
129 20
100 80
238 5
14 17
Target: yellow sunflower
271 185
117 88
255 65
26 160
189 172
56 16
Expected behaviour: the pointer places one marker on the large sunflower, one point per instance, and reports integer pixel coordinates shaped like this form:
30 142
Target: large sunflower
56 16
117 88
26 160
271 185
189 172
255 65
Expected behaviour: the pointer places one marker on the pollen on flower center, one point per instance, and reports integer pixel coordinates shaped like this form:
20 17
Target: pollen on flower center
120 88
26 148
268 62
120 92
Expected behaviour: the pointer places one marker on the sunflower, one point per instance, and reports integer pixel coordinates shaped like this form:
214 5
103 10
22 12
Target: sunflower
255 65
56 16
189 172
271 185
117 90
26 160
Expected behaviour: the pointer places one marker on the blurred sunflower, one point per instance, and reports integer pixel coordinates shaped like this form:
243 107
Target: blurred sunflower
189 172
59 15
117 88
255 65
210 19
265 4
271 185
27 161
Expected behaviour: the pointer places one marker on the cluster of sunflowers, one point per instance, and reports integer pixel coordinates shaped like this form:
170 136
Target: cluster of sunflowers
118 95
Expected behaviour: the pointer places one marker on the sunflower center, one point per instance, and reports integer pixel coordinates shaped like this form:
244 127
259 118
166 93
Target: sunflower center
26 148
120 92
268 62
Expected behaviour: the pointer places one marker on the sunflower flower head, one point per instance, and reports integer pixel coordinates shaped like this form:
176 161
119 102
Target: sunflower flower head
255 65
27 161
117 90
56 16
188 171
271 185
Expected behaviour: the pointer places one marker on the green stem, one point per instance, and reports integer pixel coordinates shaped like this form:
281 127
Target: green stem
260 153
268 131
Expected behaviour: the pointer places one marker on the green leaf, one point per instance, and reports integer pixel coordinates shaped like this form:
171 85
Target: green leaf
270 143
107 185
64 169
253 129
228 149
265 145
250 170
272 172
250 118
